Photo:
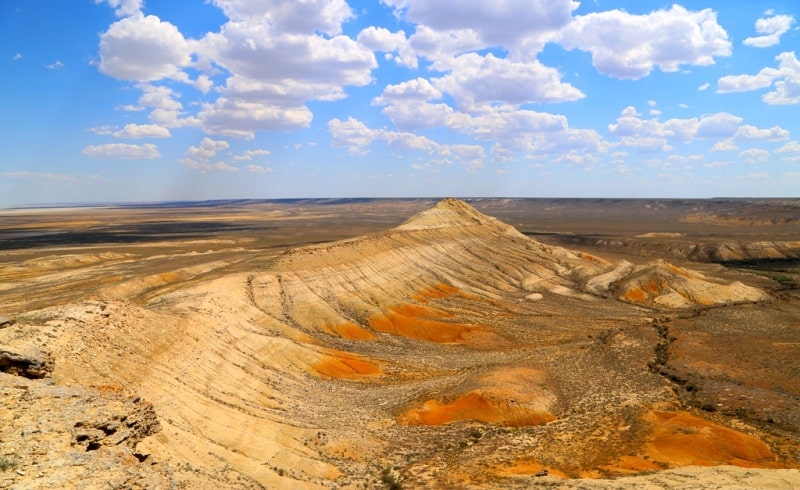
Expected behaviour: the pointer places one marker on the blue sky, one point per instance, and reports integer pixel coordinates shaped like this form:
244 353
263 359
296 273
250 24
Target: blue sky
154 100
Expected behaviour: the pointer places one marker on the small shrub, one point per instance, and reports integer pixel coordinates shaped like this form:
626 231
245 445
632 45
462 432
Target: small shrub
7 463
392 479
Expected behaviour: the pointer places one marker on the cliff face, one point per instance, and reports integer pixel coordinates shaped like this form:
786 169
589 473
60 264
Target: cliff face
451 348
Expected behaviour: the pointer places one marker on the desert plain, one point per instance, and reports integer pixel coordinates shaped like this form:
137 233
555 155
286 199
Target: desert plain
401 343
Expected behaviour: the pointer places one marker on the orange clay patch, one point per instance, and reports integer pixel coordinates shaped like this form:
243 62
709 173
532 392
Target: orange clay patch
422 329
682 439
346 366
420 322
349 331
474 406
651 287
635 295
419 311
642 293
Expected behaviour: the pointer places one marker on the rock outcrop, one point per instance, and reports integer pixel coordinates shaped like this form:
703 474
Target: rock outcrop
74 437
29 362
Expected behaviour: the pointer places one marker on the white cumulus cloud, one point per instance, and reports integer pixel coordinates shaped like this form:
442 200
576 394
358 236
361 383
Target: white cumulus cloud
755 155
249 154
771 30
241 118
512 23
775 133
475 80
136 131
356 137
785 81
143 48
207 148
200 158
790 147
296 16
381 39
277 66
122 151
625 45
123 8
726 145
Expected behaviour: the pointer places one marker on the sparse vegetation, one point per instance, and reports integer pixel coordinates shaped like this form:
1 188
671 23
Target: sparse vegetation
661 357
8 463
777 276
391 478
605 336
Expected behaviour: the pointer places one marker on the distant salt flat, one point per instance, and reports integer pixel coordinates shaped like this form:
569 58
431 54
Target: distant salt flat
44 210
653 234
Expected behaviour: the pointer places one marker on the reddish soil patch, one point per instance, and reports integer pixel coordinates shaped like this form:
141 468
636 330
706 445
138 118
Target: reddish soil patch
477 407
635 295
682 439
419 311
423 329
652 287
643 293
349 331
346 366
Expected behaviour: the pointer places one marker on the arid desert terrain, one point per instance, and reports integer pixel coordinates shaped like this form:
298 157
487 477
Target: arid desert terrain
401 343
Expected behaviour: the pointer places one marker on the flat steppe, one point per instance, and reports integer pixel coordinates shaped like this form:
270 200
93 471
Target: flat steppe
368 343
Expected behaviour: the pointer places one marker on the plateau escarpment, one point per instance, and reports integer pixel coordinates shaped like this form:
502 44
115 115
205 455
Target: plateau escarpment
449 351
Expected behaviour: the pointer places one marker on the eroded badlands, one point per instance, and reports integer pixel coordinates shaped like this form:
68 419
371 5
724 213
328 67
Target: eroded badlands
450 351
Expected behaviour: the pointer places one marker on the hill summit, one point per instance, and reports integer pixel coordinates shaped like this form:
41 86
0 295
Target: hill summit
448 212
455 243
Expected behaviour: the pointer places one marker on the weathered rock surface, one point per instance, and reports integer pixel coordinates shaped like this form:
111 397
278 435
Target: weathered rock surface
29 362
74 437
